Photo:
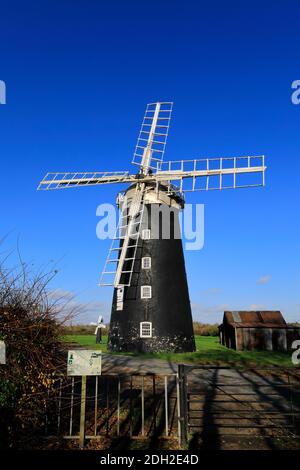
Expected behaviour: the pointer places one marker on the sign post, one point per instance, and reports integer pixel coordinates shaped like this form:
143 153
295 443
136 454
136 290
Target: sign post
2 353
83 362
82 412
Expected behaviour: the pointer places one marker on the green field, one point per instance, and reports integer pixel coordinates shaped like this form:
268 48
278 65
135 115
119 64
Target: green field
209 351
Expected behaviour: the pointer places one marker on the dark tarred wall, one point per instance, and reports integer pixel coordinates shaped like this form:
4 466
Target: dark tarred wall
169 308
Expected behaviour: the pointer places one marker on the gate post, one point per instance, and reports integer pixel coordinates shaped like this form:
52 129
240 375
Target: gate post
82 412
183 406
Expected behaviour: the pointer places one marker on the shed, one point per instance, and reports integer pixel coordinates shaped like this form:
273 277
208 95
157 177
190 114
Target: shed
257 330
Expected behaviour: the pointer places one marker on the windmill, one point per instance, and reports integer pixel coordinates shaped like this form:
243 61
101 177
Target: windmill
151 307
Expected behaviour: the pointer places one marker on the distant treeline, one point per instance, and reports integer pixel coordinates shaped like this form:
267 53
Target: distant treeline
205 329
199 329
80 330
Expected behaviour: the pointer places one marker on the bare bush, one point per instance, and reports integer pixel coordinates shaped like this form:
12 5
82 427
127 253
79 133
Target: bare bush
31 321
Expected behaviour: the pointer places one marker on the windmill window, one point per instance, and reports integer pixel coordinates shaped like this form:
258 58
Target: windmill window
146 262
146 329
146 234
146 292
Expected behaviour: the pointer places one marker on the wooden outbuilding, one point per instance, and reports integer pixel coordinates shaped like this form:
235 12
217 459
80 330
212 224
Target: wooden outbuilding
257 330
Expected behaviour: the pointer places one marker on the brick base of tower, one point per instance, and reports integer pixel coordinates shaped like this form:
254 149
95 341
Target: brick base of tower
168 309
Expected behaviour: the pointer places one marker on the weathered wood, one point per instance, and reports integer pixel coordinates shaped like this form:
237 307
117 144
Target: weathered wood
183 406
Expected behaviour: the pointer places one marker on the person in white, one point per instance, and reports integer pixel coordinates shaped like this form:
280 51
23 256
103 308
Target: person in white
98 331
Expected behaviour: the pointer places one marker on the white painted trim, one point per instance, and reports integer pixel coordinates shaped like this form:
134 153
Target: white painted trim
149 326
145 260
143 296
146 234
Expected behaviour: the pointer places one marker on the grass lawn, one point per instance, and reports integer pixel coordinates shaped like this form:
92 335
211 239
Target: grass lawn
209 351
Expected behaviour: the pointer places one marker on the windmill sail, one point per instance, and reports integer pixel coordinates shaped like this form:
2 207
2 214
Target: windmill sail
62 180
152 139
213 173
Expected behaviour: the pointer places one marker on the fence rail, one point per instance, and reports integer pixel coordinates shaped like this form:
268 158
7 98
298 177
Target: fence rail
135 405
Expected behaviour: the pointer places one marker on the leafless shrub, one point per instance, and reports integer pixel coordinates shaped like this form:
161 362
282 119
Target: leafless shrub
31 322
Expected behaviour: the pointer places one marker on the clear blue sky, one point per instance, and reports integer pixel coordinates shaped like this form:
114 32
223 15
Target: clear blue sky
78 76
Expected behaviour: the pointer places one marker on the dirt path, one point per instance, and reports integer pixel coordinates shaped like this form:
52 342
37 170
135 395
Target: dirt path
113 364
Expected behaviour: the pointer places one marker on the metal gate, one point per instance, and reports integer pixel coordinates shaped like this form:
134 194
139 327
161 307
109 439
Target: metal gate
223 401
